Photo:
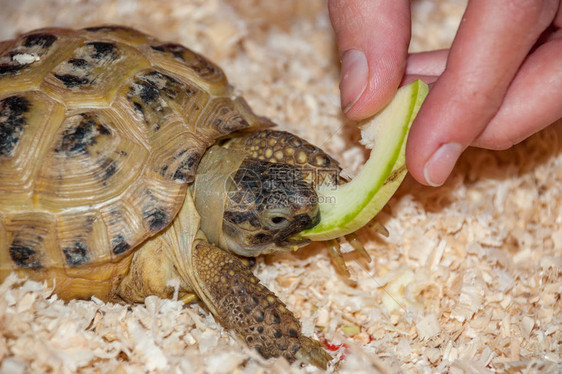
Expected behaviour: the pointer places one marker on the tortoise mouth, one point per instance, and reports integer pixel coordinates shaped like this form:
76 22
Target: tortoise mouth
262 242
287 240
281 246
293 243
300 223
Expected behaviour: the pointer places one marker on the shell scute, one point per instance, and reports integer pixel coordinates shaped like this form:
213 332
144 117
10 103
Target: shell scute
82 238
29 237
168 109
26 120
32 56
93 73
92 159
204 68
158 205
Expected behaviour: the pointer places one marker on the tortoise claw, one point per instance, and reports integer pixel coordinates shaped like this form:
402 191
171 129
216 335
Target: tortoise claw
358 246
378 228
312 352
337 257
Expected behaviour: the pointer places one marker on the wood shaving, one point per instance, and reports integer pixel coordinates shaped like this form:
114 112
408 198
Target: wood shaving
467 281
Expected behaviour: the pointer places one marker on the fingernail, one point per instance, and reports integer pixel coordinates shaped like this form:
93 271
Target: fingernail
354 75
441 163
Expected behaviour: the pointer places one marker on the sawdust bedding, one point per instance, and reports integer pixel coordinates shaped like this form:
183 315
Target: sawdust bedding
467 281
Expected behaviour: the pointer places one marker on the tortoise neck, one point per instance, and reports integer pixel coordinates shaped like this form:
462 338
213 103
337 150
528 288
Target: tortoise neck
213 181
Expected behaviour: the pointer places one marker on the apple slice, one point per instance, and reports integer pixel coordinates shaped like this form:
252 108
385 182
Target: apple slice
349 207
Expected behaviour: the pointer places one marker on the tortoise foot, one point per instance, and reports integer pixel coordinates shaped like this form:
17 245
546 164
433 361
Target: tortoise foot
312 352
237 299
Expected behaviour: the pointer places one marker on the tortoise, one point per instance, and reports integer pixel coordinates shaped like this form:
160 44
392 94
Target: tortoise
128 164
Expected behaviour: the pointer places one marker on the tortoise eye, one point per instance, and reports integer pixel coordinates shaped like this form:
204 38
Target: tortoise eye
278 220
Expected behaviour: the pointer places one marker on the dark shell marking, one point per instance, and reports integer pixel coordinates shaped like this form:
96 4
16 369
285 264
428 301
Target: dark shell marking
147 92
108 168
176 50
188 160
155 218
24 255
10 68
78 62
119 244
118 31
226 118
42 40
148 95
77 139
103 50
77 254
153 215
108 28
71 81
12 123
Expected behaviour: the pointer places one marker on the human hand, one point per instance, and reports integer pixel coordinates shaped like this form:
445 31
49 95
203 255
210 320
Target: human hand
500 82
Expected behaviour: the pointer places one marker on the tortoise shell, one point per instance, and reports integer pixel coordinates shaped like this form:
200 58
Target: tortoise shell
101 132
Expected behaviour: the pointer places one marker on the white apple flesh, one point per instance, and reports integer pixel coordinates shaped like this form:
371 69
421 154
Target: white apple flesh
349 207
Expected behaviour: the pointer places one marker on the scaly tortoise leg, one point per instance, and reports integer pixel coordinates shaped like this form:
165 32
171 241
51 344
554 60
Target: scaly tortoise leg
237 299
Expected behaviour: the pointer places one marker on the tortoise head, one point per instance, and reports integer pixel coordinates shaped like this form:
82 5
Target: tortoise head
266 205
250 206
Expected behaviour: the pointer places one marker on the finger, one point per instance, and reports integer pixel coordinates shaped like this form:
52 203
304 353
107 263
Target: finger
532 101
373 38
491 43
427 63
427 66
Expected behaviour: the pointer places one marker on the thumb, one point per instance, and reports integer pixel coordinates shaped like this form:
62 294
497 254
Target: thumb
373 38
